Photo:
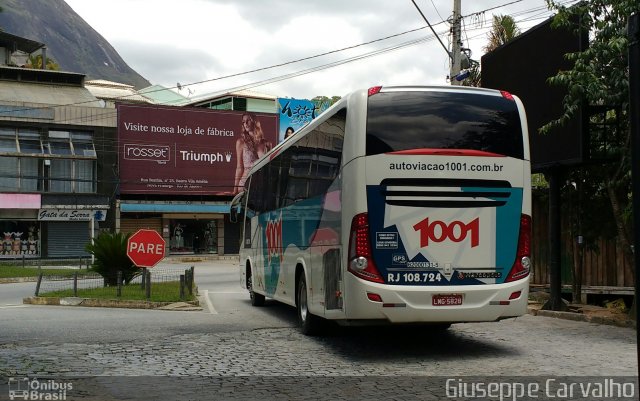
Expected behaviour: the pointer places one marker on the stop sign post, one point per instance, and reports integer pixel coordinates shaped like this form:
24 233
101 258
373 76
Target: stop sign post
146 248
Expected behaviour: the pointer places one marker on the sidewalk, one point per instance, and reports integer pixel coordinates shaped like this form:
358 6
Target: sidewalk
585 313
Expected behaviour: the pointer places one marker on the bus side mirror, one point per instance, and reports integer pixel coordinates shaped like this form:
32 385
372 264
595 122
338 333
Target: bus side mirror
234 208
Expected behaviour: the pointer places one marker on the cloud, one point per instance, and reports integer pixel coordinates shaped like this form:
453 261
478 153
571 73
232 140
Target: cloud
168 65
198 40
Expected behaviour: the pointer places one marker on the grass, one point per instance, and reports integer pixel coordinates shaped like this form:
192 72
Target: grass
160 292
16 271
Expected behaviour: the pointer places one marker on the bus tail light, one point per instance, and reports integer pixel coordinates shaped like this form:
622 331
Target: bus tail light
360 257
507 95
374 89
522 265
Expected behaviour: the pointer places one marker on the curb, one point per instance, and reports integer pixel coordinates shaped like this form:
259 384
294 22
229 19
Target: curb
113 303
579 317
11 280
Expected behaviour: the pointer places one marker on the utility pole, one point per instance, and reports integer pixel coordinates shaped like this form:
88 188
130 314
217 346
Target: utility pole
456 42
633 28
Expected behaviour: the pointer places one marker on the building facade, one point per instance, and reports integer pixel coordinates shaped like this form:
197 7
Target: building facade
64 176
57 160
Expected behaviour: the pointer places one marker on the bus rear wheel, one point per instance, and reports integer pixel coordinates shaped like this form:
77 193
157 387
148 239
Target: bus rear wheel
256 299
310 324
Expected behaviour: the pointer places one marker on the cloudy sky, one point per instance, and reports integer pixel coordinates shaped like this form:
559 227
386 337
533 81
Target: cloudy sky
198 43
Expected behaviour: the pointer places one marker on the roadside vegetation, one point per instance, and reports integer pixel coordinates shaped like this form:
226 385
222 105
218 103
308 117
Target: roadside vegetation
161 292
13 271
110 277
110 252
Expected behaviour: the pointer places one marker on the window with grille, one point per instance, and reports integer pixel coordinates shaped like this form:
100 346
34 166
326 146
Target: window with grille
56 161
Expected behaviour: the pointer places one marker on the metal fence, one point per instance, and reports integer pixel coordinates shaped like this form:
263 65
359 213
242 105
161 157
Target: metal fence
159 283
20 260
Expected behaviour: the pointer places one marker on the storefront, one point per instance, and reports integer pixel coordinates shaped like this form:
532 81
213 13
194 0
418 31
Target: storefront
187 227
21 230
33 229
67 231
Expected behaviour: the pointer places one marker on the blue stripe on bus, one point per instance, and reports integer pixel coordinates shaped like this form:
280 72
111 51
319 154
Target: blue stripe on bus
299 222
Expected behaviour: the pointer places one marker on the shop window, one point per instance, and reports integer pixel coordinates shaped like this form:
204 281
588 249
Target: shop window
19 238
193 236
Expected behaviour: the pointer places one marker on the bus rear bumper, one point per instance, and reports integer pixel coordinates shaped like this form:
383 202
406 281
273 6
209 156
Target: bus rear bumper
417 304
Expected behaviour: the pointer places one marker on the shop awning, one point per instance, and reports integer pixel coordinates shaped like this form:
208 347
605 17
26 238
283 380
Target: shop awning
173 208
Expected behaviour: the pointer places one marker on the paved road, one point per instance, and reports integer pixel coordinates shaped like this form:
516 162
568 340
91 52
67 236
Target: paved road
230 348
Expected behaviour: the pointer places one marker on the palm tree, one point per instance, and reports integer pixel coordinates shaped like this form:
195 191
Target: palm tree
110 252
503 30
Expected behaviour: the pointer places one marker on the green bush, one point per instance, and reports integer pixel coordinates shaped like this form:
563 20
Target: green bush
110 252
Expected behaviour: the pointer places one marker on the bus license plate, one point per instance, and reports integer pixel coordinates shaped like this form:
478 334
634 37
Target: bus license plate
446 299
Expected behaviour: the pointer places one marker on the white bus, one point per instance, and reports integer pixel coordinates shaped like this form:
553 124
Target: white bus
396 205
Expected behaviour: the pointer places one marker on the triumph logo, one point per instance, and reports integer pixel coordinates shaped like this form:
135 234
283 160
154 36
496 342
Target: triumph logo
154 153
456 231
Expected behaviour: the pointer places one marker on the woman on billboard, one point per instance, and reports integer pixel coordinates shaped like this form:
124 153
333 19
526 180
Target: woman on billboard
250 146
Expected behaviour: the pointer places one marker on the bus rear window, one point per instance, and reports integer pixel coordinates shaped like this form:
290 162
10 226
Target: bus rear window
443 120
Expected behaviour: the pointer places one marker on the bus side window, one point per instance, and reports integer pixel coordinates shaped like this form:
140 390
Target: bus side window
247 233
255 201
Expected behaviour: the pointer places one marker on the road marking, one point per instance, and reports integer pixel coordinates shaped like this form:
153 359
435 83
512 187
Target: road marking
8 306
212 310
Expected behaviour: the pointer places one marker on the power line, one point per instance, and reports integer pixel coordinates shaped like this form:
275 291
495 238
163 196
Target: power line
433 30
492 8
436 8
272 79
307 71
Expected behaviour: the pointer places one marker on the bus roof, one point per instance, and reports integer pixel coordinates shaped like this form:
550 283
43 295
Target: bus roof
363 92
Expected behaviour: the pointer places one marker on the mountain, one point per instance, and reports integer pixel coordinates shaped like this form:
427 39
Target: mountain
70 41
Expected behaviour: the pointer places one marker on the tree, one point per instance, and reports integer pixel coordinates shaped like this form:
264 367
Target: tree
110 252
323 99
600 78
503 29
36 62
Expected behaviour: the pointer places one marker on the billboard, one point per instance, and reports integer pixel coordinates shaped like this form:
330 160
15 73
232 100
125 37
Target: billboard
189 151
295 113
512 67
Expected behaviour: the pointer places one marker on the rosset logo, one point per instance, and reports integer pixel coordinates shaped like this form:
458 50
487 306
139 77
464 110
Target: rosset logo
456 231
155 153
